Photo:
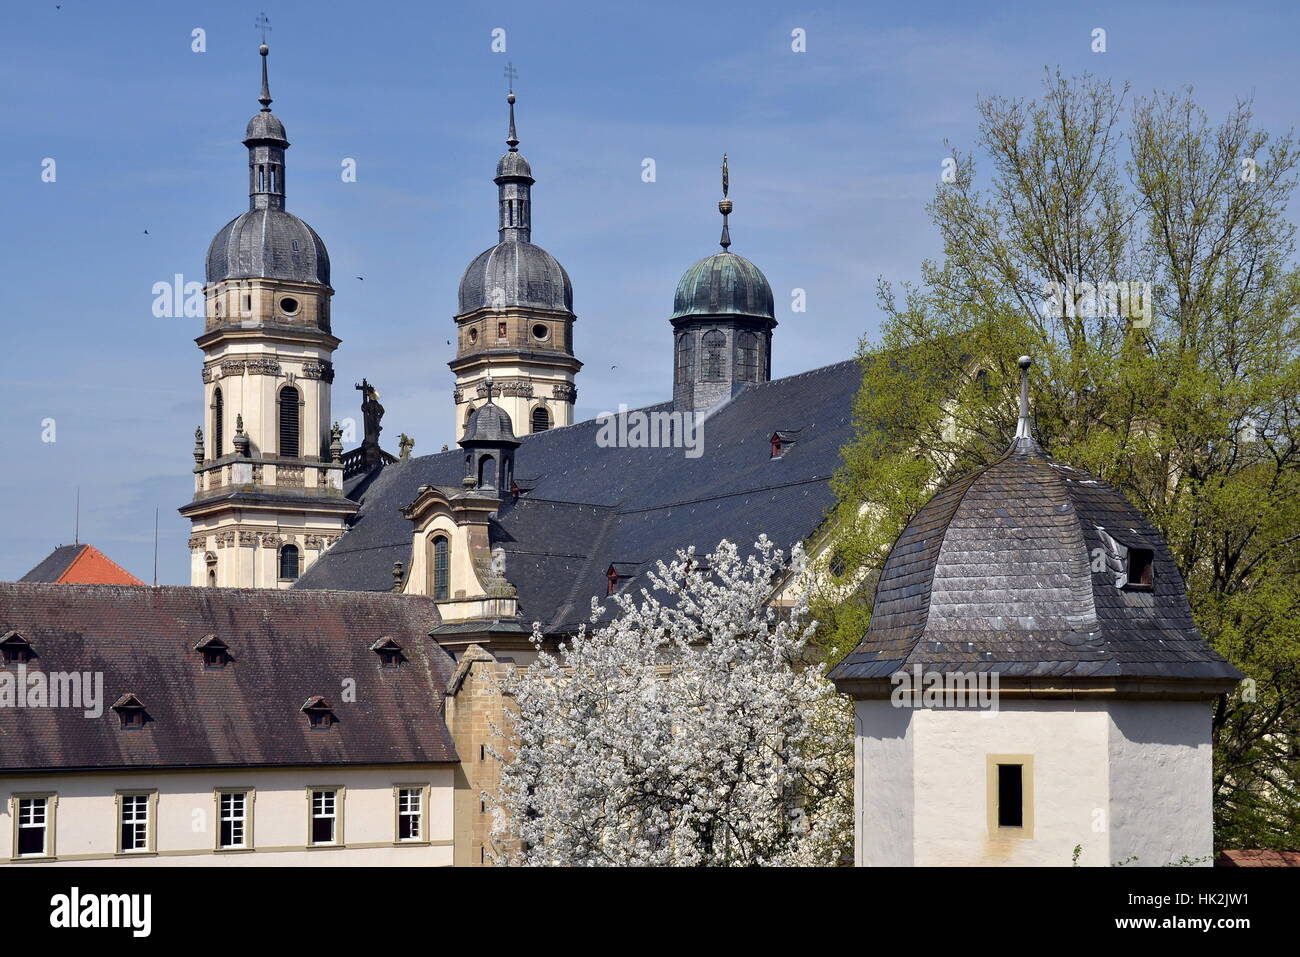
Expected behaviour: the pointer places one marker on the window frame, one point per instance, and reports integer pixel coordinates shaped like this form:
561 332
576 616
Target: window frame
296 402
150 821
439 590
279 562
1026 828
51 799
249 795
339 792
421 813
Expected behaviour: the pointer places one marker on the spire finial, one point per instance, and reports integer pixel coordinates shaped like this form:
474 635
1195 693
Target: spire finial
265 98
1023 430
512 140
724 205
487 384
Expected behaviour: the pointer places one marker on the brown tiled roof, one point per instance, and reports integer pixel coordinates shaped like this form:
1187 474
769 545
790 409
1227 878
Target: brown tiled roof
285 647
1260 858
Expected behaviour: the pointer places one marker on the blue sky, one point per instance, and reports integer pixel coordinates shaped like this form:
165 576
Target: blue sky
834 154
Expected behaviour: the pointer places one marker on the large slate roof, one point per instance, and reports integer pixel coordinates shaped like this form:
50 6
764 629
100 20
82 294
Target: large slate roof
287 647
589 506
995 573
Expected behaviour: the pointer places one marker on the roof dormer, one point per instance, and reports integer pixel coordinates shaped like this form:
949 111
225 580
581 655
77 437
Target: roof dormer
619 574
782 439
15 649
389 652
320 716
131 712
216 653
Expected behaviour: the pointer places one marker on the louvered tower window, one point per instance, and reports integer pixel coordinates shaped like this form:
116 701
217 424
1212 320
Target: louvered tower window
685 358
541 419
289 445
218 426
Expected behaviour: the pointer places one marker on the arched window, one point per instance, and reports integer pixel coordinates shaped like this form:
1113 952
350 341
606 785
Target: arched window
714 361
212 578
487 467
439 571
289 562
747 371
541 419
218 425
685 358
468 412
289 444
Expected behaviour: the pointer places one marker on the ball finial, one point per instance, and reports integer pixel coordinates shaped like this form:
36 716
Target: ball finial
264 49
1025 362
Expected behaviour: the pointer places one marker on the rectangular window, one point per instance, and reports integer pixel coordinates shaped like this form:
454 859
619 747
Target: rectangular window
409 813
1140 561
234 819
33 827
135 822
324 817
1011 795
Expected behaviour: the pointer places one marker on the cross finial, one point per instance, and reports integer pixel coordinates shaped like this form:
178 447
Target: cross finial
488 385
511 75
263 23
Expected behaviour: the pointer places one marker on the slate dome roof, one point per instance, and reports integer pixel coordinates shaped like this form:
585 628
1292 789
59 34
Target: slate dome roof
513 164
268 243
265 125
997 572
515 273
723 284
489 423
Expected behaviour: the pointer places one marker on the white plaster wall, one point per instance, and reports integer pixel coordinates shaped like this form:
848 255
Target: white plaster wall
86 816
883 791
1160 781
1068 742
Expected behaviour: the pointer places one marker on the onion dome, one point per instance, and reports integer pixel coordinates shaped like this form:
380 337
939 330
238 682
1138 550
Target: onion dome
515 272
723 284
1032 569
267 242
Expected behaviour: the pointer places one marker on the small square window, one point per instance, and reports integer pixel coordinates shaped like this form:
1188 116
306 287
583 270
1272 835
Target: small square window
1141 568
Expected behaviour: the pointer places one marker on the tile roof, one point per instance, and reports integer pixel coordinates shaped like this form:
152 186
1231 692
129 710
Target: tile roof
80 564
996 573
590 506
285 646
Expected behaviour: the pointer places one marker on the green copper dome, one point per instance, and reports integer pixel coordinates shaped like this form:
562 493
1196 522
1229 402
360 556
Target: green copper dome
723 284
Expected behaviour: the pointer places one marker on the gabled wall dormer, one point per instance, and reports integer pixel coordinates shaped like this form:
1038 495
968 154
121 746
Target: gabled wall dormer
15 649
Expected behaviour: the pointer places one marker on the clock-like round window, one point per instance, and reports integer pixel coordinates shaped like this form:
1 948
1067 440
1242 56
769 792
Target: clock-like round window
289 305
541 333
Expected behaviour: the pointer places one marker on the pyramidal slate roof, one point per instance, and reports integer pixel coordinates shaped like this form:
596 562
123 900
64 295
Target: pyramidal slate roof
1015 568
590 506
285 647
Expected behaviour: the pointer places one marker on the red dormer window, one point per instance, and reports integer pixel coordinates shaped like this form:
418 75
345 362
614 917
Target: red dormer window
320 716
611 578
131 712
16 649
776 445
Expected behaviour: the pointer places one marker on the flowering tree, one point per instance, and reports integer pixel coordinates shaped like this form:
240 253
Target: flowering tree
692 729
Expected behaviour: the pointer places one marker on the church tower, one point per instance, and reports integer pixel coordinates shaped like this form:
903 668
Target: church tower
268 479
515 319
722 324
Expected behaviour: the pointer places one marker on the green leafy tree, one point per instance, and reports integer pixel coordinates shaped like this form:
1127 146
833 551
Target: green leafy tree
1186 397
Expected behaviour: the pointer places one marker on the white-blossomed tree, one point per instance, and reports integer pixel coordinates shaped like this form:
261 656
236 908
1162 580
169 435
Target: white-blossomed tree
693 728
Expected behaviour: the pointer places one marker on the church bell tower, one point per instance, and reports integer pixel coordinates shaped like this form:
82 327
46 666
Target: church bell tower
515 320
268 476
